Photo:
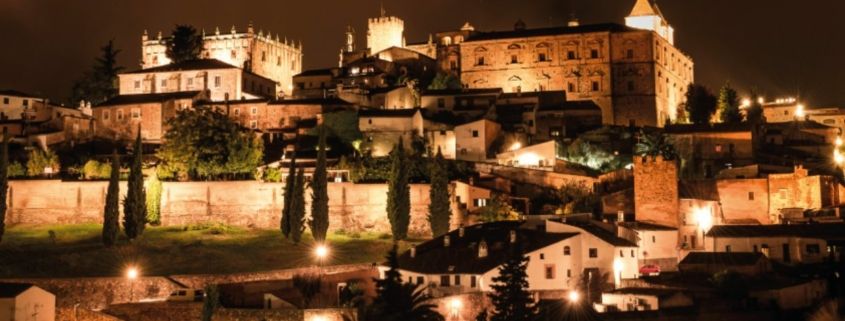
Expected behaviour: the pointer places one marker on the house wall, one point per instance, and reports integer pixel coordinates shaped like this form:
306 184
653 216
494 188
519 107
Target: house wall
151 116
656 190
475 148
621 301
35 304
541 155
797 247
745 198
468 195
658 247
793 297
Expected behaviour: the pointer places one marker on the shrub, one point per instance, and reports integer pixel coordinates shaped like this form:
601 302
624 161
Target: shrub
154 200
40 160
273 175
96 170
16 170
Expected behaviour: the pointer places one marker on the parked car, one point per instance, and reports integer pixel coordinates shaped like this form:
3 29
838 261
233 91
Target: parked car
186 295
650 269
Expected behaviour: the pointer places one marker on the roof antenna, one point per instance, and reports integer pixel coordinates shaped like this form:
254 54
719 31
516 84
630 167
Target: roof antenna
381 8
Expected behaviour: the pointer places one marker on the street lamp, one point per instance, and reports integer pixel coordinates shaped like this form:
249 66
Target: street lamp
746 102
132 274
455 306
799 111
574 296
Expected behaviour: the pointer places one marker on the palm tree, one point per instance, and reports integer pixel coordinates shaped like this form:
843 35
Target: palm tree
408 303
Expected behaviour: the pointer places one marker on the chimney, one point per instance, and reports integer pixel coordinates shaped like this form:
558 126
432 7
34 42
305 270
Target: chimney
446 241
461 232
513 237
413 252
482 249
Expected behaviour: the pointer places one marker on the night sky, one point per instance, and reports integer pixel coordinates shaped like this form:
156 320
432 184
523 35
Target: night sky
782 47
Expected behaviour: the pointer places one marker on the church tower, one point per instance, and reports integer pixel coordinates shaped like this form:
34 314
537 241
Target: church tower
647 16
385 32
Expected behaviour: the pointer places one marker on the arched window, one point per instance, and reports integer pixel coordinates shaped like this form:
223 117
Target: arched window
566 250
480 54
446 41
543 52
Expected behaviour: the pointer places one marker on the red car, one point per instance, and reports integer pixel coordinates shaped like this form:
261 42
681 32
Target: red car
650 269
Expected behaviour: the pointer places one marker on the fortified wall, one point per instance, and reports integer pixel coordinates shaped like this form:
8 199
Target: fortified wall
253 204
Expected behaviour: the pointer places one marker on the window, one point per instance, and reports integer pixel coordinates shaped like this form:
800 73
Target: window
727 248
750 196
718 148
555 131
542 57
216 81
570 87
237 111
621 254
632 253
594 53
566 250
479 61
164 82
630 85
542 256
630 53
474 133
472 281
453 65
234 54
26 102
480 202
420 280
514 59
253 124
106 115
595 85
137 84
594 252
441 103
570 55
442 133
254 110
444 280
136 113
653 239
263 56
369 121
120 115
550 271
812 249
568 273
457 280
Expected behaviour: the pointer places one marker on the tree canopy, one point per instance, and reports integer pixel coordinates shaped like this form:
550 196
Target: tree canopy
445 81
399 193
184 44
203 143
728 105
700 104
100 83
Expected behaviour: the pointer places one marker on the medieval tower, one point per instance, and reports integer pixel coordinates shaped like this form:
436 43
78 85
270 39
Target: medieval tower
656 190
647 16
385 32
261 53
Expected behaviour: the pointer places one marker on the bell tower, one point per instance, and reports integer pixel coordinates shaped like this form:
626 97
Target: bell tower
647 16
385 32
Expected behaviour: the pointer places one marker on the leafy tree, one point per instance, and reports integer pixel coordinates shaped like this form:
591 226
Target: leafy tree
754 112
654 144
135 203
700 104
40 160
290 182
111 214
398 193
203 143
272 174
593 283
16 170
510 298
184 44
154 200
96 170
481 316
343 125
577 198
320 193
308 286
100 83
4 181
440 209
497 209
297 208
211 302
729 105
396 301
445 81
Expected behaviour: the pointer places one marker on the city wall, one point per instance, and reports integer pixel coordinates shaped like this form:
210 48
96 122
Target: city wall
253 204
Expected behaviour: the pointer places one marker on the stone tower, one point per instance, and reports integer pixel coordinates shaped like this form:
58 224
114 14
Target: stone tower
385 32
656 190
647 15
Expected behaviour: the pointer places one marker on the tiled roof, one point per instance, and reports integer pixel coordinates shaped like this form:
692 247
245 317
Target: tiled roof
707 128
148 98
310 101
11 290
16 93
396 113
462 254
509 34
197 64
698 189
827 231
316 72
723 258
647 226
462 91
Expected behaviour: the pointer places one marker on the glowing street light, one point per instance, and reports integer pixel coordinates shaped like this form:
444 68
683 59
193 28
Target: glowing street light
746 102
574 296
703 218
799 111
132 273
455 305
321 251
838 141
761 100
837 157
319 318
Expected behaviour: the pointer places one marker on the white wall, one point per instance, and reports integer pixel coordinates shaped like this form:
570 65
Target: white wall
797 247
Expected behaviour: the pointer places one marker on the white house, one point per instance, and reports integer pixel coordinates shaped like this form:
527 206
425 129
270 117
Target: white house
658 244
467 259
22 301
789 244
642 299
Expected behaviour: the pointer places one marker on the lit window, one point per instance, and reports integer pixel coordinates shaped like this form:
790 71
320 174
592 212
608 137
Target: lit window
480 202
718 148
136 113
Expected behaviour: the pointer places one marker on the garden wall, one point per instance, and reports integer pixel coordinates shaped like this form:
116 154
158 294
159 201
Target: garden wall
352 207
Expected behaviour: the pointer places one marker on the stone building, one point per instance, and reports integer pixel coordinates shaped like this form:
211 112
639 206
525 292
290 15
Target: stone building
22 301
265 55
634 73
119 117
656 197
222 80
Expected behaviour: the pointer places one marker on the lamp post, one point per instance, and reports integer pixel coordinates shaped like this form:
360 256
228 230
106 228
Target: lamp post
455 305
321 251
132 274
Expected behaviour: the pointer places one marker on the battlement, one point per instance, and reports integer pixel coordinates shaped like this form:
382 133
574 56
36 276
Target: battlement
386 20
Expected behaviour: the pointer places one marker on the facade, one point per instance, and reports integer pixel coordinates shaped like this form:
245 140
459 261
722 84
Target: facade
642 299
749 263
16 105
467 259
787 244
633 73
708 149
223 81
658 245
474 139
259 53
543 156
21 301
121 116
656 198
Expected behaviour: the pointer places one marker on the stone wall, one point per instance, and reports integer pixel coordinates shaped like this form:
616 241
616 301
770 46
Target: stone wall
656 190
353 207
536 176
163 311
82 314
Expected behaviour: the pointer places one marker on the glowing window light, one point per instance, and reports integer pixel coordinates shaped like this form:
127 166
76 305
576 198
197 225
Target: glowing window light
703 218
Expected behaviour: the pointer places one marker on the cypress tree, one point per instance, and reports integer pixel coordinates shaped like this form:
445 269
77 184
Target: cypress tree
398 193
111 214
211 302
135 203
4 181
290 181
729 105
320 193
510 297
297 208
439 210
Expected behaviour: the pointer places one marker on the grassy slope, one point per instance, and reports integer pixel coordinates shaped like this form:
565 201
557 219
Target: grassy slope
29 251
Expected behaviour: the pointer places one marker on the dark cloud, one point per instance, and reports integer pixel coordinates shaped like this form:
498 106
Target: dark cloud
782 47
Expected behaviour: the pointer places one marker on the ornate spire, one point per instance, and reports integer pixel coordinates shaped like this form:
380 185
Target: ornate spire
217 31
145 36
249 28
234 31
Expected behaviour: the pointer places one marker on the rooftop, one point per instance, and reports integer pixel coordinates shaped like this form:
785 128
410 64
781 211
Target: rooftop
11 290
461 256
723 258
393 113
462 91
196 64
16 93
539 32
149 98
827 231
